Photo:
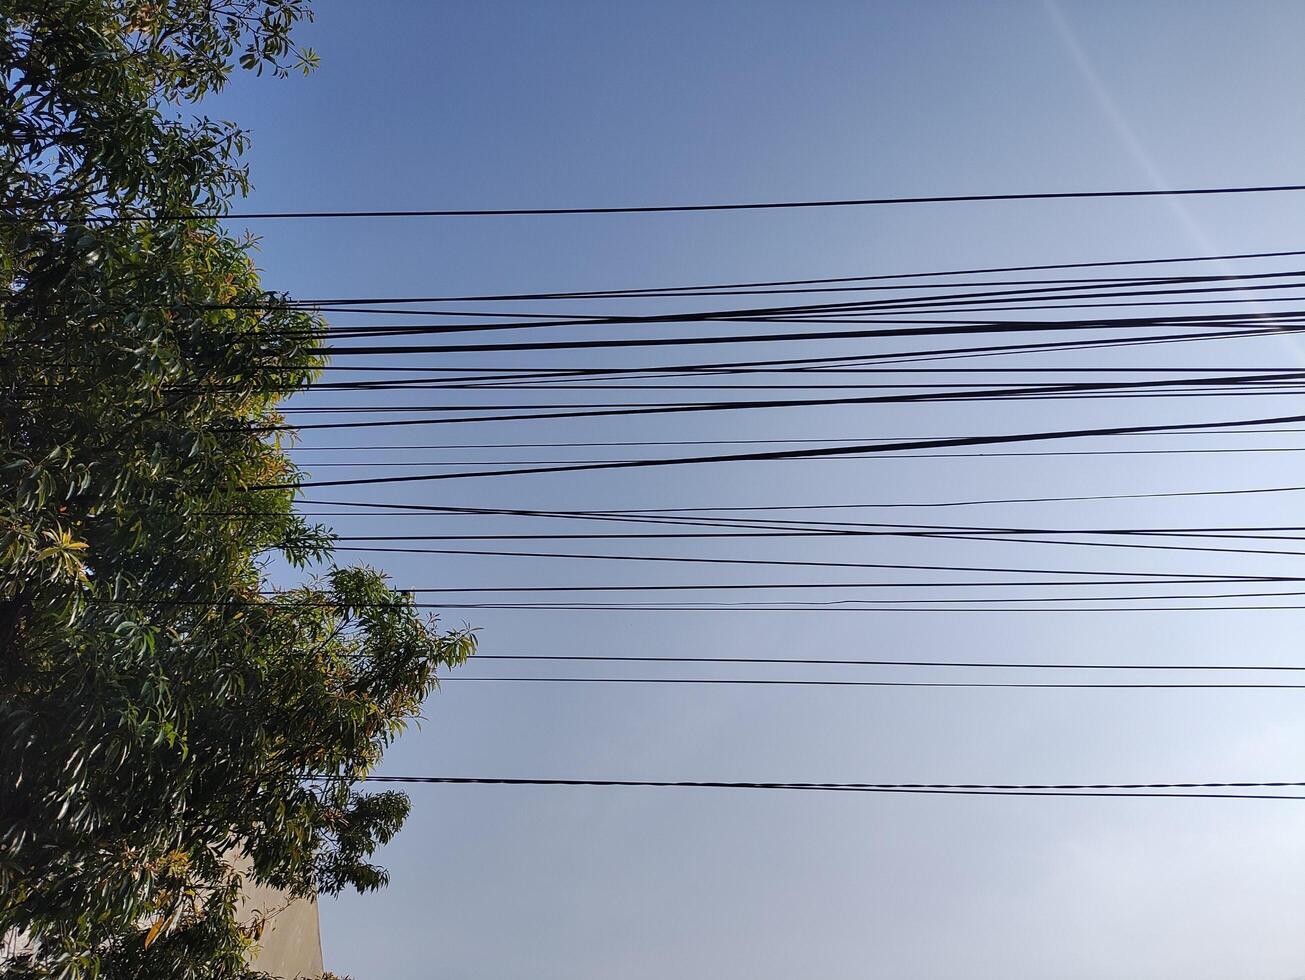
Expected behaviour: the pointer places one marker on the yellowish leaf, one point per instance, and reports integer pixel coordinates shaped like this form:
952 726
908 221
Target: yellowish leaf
155 929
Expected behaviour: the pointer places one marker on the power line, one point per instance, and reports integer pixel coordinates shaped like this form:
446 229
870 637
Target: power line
286 599
938 600
707 383
1118 790
909 320
459 447
813 661
958 685
418 510
775 528
779 288
894 566
973 502
1280 383
802 365
641 292
630 607
936 535
776 523
878 283
616 379
898 357
802 586
369 464
918 328
796 453
1289 382
792 606
680 208
1036 289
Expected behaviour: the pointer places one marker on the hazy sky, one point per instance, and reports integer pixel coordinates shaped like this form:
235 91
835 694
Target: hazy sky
556 104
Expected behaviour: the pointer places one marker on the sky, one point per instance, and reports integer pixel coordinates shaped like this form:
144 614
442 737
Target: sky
515 104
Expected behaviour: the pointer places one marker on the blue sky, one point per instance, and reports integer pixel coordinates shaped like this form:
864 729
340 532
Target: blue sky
465 105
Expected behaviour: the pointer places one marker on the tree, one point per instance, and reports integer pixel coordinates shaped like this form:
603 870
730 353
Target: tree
160 707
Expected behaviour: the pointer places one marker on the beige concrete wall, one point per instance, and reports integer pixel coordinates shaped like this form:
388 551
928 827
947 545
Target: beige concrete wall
291 944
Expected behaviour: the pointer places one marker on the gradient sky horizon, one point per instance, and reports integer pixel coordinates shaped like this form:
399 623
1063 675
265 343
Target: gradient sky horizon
516 104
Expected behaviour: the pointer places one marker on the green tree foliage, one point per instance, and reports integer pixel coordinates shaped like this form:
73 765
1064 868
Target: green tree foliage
160 707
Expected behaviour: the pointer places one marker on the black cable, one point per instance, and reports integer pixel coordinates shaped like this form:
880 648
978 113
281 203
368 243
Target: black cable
275 598
903 316
969 503
629 607
794 365
419 510
897 357
459 447
802 586
784 524
1289 381
707 384
796 453
1096 790
960 685
582 379
983 295
632 380
834 459
884 282
809 534
542 412
896 566
737 607
808 661
677 208
892 357
1131 545
918 329
880 284
1114 343
641 292
834 528
797 531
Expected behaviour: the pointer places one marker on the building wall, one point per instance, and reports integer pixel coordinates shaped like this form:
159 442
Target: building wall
291 944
